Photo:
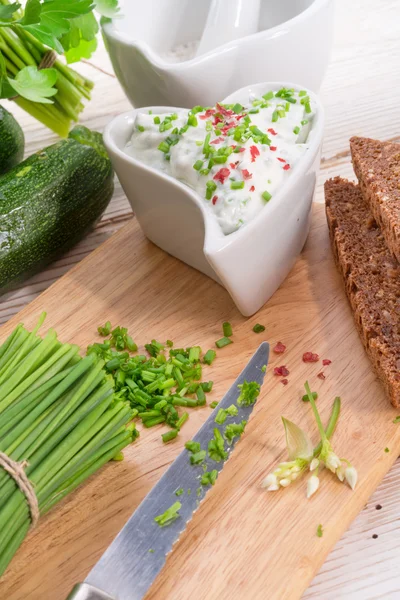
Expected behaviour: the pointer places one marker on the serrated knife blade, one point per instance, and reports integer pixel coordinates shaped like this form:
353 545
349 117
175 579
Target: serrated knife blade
136 556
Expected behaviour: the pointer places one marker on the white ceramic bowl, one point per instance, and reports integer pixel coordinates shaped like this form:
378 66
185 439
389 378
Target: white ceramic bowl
293 44
253 261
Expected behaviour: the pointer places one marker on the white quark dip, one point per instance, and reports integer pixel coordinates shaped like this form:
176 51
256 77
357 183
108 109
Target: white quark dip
235 157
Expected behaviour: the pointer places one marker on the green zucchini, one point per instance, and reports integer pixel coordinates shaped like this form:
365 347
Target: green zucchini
12 143
50 201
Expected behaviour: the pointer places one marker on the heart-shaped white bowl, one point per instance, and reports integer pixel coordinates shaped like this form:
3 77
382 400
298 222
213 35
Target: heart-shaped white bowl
253 261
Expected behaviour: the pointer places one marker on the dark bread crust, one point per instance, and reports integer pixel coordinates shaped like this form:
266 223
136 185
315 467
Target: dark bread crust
377 166
371 276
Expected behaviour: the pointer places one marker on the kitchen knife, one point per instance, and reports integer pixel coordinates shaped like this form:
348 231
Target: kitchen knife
136 556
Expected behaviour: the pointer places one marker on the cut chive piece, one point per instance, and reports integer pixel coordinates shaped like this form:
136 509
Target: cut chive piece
211 186
170 435
264 368
214 404
296 130
237 185
266 196
106 330
225 341
221 416
207 386
209 357
164 147
198 165
169 516
302 93
209 477
198 457
192 120
232 410
249 392
227 329
304 122
258 328
237 108
305 398
141 128
216 447
179 492
268 96
157 120
234 430
182 420
193 446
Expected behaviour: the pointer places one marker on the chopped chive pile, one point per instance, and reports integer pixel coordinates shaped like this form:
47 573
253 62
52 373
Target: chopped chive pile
155 386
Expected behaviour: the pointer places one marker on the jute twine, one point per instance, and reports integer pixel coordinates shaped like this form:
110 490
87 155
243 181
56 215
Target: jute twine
17 472
48 60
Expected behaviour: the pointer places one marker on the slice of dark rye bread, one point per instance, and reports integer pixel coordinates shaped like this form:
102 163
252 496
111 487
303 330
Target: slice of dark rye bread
377 166
371 276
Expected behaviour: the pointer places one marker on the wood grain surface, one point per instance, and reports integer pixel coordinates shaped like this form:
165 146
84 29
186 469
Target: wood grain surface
131 282
360 97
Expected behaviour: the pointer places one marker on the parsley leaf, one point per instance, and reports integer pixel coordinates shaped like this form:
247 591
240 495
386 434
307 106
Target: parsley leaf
107 8
80 41
7 11
32 11
35 85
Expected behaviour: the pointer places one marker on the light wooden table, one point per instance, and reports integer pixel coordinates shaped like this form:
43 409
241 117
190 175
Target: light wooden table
361 97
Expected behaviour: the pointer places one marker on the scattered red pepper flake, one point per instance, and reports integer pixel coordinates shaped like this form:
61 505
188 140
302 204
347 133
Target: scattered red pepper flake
217 140
310 357
254 151
217 120
281 371
242 149
252 189
273 148
224 111
232 165
282 160
246 174
326 362
222 174
279 348
214 200
240 117
286 167
272 131
285 381
321 375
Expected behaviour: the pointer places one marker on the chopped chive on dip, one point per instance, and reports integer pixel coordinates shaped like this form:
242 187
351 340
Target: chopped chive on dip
227 151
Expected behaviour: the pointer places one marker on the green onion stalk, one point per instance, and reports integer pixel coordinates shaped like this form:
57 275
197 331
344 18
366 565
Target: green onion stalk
60 418
21 49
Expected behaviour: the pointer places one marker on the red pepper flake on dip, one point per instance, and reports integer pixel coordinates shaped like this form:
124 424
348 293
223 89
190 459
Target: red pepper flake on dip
279 348
198 146
281 371
310 357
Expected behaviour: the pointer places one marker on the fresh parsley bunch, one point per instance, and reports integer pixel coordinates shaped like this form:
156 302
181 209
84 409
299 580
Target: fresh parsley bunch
30 40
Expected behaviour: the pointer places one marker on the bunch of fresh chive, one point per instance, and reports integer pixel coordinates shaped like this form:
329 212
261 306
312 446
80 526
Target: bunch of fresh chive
59 416
157 386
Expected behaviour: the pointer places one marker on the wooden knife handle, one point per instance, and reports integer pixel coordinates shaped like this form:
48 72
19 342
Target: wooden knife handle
84 591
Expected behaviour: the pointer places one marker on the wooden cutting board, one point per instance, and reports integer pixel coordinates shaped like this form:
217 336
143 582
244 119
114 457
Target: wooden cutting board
243 543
